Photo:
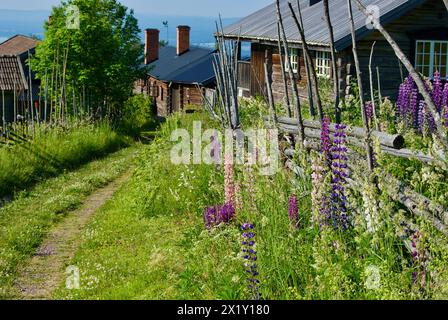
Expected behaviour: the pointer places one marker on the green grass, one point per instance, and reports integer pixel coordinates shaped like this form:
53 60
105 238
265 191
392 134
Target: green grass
149 242
25 221
52 152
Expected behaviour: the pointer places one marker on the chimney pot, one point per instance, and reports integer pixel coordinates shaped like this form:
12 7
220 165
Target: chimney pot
183 39
151 45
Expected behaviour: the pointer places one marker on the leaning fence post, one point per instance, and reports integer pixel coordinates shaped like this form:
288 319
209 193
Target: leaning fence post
291 75
369 149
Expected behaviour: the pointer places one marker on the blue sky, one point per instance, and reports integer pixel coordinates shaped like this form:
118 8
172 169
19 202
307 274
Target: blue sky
228 8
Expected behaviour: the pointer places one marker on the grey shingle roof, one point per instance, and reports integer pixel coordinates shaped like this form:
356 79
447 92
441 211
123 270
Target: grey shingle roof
194 66
262 25
11 74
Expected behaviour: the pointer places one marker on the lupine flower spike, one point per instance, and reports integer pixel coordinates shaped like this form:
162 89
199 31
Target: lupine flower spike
339 176
250 258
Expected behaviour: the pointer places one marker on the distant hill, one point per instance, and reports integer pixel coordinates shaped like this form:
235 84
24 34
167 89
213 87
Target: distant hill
31 23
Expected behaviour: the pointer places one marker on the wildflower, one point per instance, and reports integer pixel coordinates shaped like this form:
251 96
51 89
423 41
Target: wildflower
250 257
214 216
414 107
319 198
226 213
437 91
238 198
293 211
229 183
339 175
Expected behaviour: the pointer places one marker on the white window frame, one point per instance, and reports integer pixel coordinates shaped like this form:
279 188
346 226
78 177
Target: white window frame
323 64
432 67
294 58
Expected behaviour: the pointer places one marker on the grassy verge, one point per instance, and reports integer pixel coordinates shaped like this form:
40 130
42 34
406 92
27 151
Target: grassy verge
25 221
50 153
149 242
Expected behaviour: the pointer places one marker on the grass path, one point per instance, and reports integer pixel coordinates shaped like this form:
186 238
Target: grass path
45 271
30 219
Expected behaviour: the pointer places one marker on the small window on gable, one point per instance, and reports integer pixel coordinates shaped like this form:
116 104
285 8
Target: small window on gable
161 93
294 58
431 56
323 64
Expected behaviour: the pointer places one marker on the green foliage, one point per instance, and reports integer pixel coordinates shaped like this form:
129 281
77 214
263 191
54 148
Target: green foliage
136 115
101 59
52 152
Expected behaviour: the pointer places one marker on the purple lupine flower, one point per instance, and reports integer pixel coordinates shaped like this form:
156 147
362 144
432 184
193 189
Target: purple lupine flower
401 101
293 211
325 142
250 257
437 91
226 213
339 174
214 216
414 108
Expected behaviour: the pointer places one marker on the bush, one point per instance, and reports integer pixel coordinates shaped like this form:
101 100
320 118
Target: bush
136 115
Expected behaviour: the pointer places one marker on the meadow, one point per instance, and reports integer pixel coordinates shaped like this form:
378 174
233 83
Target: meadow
152 242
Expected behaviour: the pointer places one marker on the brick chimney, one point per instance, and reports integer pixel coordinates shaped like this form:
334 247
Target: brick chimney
183 39
151 45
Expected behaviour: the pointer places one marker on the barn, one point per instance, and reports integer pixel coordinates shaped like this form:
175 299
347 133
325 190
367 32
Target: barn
178 76
418 26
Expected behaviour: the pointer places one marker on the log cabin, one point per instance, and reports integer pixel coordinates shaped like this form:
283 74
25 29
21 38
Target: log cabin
20 48
418 26
13 84
178 76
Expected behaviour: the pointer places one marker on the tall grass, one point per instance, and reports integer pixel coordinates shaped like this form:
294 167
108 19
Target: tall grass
50 153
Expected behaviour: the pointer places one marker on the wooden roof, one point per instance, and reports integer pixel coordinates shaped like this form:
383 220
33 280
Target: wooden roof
11 74
17 45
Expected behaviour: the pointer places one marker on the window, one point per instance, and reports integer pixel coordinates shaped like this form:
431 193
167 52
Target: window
323 64
294 57
431 56
161 93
